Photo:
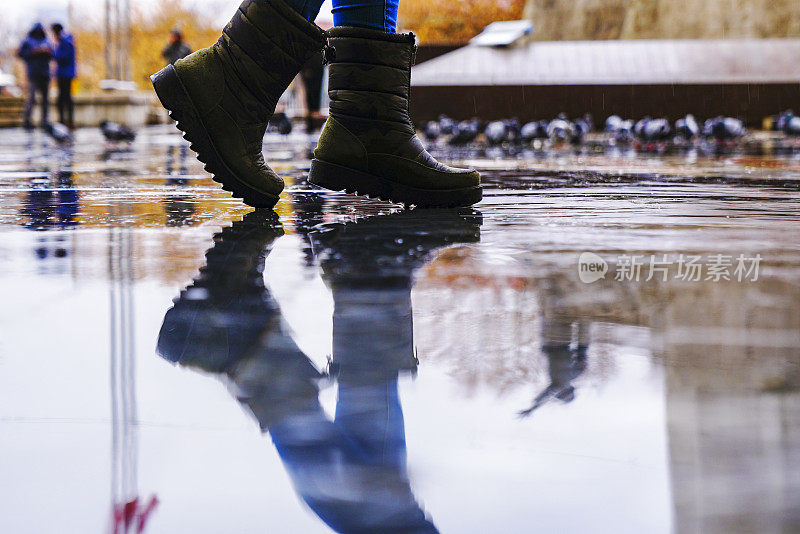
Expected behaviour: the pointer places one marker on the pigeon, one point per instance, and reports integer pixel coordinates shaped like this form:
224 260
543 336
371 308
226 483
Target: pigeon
624 133
447 126
514 131
560 129
687 128
496 132
280 123
787 122
638 128
791 126
505 131
465 132
59 132
621 130
613 124
114 131
533 130
652 130
780 120
581 127
724 128
432 130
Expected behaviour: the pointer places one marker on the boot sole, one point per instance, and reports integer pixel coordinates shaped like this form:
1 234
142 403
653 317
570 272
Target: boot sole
176 100
340 178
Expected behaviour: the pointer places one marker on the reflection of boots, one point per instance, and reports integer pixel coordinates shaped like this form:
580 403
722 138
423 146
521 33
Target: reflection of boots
368 144
220 317
369 266
223 96
386 250
227 322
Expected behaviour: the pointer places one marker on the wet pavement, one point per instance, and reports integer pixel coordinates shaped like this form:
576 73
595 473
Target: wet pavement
609 342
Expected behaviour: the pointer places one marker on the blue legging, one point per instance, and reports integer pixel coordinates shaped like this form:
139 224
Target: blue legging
374 14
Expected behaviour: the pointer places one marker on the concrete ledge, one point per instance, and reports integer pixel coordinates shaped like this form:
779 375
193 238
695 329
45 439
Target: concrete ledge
132 108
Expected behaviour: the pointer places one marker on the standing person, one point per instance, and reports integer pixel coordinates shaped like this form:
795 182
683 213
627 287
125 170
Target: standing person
176 49
312 75
223 96
65 72
36 51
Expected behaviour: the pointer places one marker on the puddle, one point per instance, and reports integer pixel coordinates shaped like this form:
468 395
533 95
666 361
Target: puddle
606 343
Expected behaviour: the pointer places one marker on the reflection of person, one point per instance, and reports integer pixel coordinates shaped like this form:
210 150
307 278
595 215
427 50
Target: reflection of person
64 56
223 96
349 470
177 48
50 207
566 358
179 207
36 51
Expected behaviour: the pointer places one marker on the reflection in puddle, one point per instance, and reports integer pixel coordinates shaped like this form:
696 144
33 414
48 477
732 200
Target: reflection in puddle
349 469
465 378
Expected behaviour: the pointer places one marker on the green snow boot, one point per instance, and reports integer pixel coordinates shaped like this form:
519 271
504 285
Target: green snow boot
222 97
368 145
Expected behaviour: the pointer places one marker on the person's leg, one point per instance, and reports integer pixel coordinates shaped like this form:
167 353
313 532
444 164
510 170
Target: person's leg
61 104
308 9
30 99
312 74
375 14
65 105
70 104
223 97
44 88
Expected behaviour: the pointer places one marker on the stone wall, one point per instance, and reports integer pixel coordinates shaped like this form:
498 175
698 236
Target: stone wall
556 20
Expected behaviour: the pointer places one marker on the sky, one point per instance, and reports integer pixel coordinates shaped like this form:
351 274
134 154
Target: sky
21 14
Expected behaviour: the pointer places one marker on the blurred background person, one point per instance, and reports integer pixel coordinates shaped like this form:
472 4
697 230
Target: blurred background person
64 56
36 51
312 74
177 48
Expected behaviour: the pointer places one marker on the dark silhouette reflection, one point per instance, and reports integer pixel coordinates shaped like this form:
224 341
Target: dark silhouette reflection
52 203
179 207
350 470
308 207
564 344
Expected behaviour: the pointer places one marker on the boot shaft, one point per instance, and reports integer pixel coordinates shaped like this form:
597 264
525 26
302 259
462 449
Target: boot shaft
369 145
370 75
264 46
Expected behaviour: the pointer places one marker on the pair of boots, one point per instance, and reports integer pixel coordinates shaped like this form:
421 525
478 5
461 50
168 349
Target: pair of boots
222 98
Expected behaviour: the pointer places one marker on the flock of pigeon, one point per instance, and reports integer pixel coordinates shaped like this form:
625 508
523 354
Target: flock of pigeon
115 132
619 131
112 131
507 131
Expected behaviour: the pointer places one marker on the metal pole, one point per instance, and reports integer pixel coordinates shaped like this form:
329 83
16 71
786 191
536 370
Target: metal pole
108 39
118 41
126 51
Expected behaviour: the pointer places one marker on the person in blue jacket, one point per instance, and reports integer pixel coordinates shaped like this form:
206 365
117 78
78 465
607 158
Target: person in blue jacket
65 72
36 51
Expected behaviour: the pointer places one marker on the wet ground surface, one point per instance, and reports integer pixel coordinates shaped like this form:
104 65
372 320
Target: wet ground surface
609 342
